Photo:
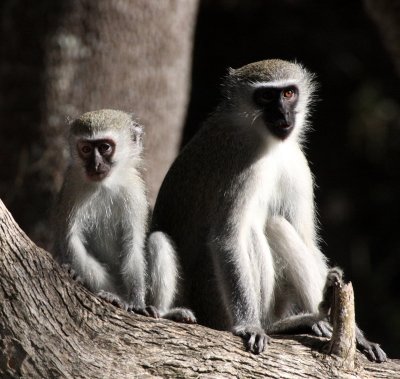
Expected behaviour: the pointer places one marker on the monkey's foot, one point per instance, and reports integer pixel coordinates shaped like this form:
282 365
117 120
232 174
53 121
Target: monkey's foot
373 352
183 315
370 349
72 273
254 338
148 311
112 299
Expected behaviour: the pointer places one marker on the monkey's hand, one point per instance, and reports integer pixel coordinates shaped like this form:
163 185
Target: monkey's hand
72 273
322 328
370 349
333 279
112 299
183 315
148 311
254 337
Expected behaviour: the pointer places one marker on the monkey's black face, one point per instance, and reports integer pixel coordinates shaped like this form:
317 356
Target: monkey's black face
96 156
278 108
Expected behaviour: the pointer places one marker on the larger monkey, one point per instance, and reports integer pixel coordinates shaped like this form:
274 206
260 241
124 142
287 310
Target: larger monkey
238 204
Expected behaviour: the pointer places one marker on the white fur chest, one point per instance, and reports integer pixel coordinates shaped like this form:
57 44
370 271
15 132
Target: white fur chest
265 196
101 216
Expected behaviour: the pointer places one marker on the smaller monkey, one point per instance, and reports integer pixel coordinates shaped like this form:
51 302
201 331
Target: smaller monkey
102 209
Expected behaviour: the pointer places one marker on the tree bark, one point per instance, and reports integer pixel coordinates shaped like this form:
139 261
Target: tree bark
52 327
343 341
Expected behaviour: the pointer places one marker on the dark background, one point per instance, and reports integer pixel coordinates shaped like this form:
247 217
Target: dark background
354 149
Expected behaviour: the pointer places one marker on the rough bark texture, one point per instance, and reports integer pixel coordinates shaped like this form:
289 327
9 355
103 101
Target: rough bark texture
51 327
343 342
63 58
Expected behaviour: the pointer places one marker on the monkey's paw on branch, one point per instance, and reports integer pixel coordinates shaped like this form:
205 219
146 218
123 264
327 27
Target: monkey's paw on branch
254 338
148 311
322 328
183 315
72 273
112 299
371 350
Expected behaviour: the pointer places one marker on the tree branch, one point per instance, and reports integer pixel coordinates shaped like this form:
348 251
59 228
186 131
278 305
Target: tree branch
343 342
51 326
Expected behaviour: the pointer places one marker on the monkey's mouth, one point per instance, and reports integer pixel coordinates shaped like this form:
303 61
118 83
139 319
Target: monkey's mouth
96 176
281 129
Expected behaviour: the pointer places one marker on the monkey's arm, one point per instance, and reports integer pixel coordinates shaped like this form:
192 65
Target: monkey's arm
132 264
237 285
89 270
303 268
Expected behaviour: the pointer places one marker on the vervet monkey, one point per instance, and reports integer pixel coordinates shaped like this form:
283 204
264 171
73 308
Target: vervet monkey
238 204
102 209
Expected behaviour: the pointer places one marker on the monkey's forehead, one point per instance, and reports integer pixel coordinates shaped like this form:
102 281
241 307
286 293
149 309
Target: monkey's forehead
268 70
103 119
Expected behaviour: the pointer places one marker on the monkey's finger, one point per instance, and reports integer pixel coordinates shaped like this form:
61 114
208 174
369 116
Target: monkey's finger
322 329
189 317
140 311
251 342
335 275
112 299
261 342
72 273
316 330
380 354
326 329
375 353
152 311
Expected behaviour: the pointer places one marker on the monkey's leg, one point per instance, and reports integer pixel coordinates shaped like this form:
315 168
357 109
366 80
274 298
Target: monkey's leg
305 272
316 322
163 279
304 267
93 275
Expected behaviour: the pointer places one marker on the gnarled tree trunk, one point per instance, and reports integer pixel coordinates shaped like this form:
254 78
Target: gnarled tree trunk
52 327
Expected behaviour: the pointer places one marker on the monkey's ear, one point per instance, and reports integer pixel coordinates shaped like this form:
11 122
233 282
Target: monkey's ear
137 134
69 120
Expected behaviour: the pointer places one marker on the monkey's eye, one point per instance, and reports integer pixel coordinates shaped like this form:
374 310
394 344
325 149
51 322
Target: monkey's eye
288 93
105 148
85 148
264 95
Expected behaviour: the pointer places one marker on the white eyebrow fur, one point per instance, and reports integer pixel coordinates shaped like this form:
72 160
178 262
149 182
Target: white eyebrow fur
276 83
